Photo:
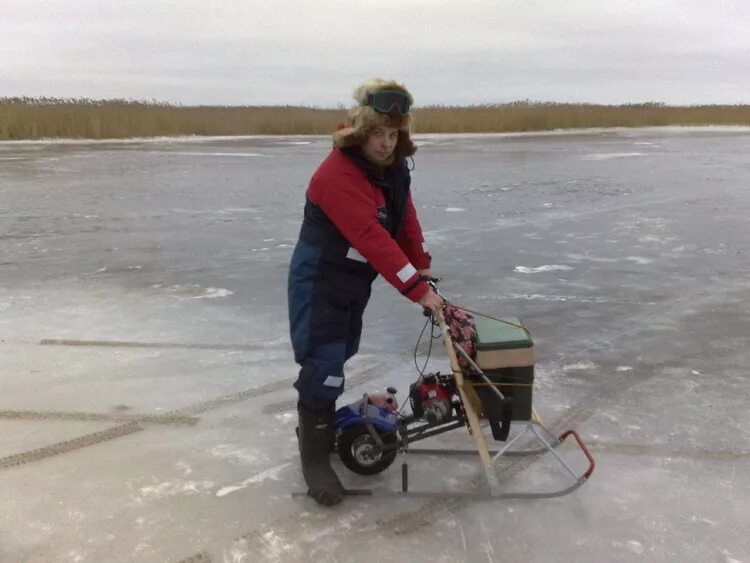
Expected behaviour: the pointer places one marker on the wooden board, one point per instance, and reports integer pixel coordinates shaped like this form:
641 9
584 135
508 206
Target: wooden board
470 402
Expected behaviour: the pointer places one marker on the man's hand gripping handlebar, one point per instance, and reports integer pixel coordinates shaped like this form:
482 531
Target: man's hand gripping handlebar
432 301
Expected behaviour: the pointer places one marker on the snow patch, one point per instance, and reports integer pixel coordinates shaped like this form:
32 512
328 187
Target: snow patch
454 209
172 488
184 467
286 417
271 473
580 366
214 292
275 548
229 451
591 258
609 155
635 547
696 518
639 260
624 368
728 558
545 268
551 298
200 153
226 211
123 269
195 291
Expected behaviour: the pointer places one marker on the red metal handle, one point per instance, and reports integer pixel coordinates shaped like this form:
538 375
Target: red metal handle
584 449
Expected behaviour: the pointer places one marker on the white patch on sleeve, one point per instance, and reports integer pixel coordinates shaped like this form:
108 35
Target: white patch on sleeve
424 246
406 272
333 381
354 255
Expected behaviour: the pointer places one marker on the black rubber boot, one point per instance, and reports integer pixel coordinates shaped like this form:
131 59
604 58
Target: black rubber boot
315 434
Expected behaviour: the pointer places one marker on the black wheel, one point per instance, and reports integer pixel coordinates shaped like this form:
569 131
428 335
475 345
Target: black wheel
355 445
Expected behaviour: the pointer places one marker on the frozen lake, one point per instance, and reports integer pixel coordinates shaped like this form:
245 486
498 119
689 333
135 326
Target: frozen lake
146 407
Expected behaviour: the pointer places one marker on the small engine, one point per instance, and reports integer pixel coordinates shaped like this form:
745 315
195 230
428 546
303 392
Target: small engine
431 397
384 399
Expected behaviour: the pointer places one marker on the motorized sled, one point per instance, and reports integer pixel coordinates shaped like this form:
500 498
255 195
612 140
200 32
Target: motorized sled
490 385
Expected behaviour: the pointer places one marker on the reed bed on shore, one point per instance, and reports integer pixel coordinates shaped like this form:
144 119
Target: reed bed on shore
37 118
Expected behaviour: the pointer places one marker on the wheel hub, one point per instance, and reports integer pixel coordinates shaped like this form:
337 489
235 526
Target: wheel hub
362 448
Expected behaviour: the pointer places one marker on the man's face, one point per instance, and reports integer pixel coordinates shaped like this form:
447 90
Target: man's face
381 142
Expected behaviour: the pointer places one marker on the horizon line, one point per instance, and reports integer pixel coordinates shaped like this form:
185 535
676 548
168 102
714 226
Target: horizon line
54 100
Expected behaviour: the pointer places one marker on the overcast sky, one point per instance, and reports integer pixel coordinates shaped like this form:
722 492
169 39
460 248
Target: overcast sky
314 52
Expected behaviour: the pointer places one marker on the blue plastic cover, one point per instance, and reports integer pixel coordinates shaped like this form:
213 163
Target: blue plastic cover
382 419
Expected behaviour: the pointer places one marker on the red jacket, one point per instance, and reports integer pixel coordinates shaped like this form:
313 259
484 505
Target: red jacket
353 204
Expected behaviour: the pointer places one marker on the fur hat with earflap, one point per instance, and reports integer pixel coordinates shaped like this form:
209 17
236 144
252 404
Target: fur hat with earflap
363 118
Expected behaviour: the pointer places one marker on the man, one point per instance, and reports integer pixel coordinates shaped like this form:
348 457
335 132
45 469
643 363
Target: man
359 221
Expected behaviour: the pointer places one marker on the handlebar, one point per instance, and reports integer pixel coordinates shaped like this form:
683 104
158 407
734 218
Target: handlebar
432 282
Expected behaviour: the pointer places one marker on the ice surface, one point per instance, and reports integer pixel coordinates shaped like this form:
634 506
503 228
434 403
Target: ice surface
143 290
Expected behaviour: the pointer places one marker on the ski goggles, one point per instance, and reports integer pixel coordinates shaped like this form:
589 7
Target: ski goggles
385 100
